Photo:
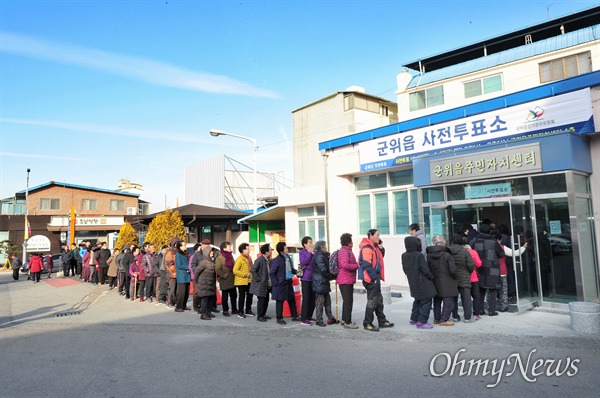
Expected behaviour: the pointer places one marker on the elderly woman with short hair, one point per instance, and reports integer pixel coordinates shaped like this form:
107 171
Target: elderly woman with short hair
320 283
441 264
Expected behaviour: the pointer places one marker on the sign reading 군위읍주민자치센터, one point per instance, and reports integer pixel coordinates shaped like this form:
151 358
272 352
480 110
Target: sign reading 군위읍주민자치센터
511 161
552 115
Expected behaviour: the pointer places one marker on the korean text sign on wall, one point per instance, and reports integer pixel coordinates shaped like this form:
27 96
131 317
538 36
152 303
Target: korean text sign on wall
505 162
546 116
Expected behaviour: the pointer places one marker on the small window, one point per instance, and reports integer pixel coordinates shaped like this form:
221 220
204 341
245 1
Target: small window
320 210
306 211
483 86
402 177
117 205
363 205
561 68
426 98
371 182
551 183
89 204
49 204
385 110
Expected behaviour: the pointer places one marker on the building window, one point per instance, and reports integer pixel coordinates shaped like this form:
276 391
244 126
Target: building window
306 211
311 222
562 68
382 213
385 110
483 86
426 98
363 205
370 182
49 204
117 205
89 204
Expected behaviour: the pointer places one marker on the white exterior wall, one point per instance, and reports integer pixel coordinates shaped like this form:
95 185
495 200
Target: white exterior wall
322 121
516 76
342 166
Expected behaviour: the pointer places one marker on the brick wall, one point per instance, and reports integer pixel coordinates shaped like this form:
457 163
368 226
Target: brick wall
74 197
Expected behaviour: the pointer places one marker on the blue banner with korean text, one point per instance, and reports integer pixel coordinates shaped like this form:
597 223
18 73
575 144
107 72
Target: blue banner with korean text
571 112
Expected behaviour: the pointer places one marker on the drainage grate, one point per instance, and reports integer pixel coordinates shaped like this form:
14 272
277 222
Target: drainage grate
68 313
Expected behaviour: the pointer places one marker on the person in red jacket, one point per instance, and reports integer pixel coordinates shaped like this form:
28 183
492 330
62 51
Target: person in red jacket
371 271
36 266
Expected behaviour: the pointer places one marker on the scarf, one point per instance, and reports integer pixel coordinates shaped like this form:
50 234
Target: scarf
249 260
228 259
288 267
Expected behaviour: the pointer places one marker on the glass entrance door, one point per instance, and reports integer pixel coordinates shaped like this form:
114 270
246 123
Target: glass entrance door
525 267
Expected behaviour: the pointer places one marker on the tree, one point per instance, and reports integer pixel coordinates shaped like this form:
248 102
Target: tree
8 249
164 227
127 236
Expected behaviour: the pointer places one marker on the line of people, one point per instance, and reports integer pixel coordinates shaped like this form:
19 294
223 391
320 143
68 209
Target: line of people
170 276
439 274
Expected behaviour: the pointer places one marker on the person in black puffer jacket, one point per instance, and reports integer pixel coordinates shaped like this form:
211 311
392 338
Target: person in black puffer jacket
464 268
420 281
320 283
443 269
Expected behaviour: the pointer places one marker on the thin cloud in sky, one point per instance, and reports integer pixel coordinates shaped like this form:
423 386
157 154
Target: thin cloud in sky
29 155
112 130
154 72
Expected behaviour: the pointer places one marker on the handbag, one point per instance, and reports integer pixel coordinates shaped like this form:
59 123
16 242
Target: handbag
300 272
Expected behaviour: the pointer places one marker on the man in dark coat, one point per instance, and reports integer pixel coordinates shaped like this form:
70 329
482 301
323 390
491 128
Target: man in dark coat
260 282
102 256
65 259
489 251
281 279
420 281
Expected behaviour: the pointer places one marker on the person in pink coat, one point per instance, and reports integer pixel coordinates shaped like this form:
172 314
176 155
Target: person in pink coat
346 279
36 266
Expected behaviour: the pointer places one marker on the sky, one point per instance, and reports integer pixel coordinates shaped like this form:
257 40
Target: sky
95 91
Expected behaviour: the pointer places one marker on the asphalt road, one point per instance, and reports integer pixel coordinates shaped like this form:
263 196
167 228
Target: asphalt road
124 349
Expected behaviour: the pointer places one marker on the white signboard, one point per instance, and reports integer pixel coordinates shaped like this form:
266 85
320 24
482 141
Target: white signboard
562 113
38 243
555 227
81 222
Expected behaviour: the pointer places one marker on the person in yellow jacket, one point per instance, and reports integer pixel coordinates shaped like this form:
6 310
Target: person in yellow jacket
243 277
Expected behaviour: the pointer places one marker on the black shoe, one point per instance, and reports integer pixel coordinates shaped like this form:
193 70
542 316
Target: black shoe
386 324
281 322
371 328
205 317
210 314
321 323
296 319
493 313
250 313
261 319
332 321
267 317
241 315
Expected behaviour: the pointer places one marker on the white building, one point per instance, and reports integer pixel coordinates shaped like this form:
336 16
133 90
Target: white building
502 129
227 184
336 115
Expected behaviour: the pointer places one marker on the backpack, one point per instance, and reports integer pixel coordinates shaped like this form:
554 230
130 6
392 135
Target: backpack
334 268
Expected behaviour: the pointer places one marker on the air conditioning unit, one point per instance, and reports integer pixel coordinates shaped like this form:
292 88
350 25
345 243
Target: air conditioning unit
131 211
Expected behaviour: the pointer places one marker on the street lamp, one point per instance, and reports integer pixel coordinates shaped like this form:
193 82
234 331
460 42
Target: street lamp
216 133
26 232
